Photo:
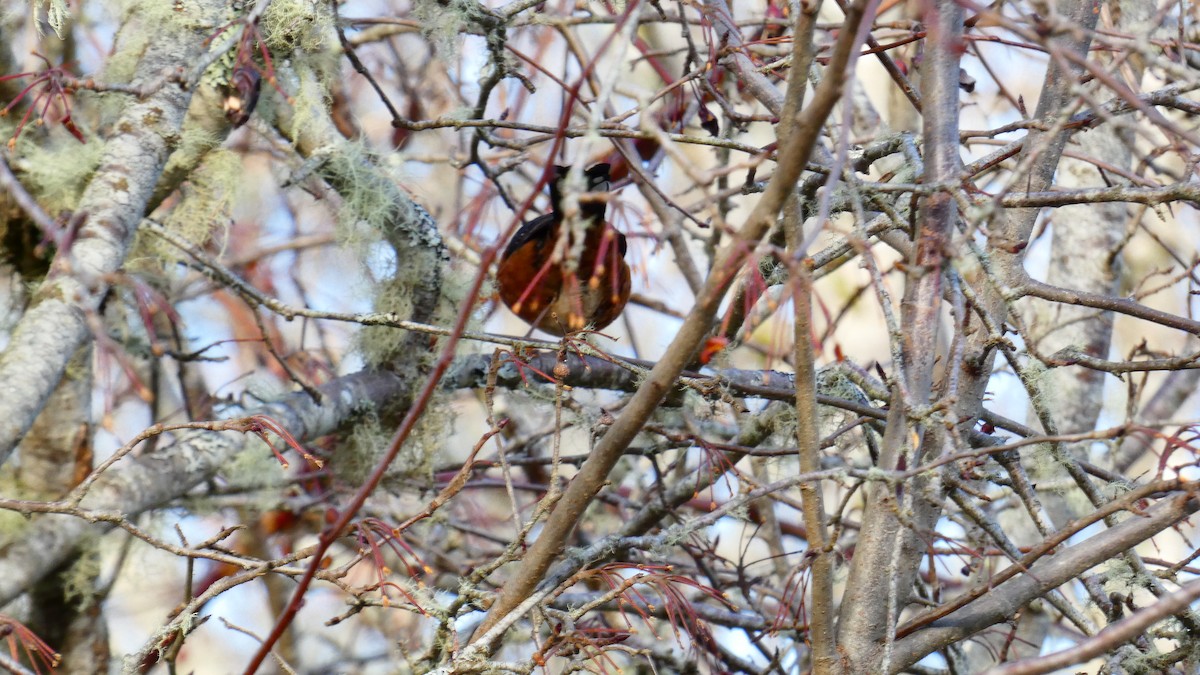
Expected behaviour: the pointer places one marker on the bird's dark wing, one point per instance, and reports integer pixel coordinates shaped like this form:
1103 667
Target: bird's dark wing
540 230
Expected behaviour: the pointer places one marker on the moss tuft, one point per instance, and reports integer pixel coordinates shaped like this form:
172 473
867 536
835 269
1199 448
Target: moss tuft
442 23
57 169
366 443
298 25
58 14
79 580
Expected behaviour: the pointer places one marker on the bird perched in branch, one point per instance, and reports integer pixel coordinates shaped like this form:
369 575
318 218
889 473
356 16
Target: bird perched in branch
562 275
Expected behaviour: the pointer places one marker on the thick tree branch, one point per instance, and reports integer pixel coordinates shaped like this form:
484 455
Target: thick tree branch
1108 639
111 207
136 485
887 553
1036 578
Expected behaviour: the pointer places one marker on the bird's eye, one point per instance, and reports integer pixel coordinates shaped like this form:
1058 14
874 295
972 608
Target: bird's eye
599 186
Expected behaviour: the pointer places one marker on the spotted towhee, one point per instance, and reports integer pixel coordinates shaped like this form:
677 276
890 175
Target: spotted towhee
563 279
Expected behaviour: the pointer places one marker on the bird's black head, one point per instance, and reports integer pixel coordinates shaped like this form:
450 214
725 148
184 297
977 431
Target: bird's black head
596 177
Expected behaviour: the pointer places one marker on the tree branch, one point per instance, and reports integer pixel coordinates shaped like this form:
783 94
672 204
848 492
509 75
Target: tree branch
112 204
1048 572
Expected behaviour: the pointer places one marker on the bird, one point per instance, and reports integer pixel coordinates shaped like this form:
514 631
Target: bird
564 279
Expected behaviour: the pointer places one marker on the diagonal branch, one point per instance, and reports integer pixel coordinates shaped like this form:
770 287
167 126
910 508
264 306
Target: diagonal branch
1050 572
1125 630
